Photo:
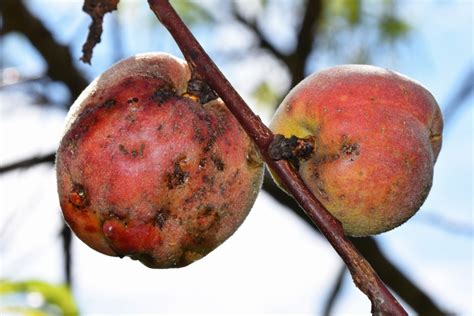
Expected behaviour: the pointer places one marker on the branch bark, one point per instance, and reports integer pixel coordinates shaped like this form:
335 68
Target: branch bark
96 10
363 275
415 297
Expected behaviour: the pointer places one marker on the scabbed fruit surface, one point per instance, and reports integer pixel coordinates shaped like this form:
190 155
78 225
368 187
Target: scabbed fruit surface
153 167
377 135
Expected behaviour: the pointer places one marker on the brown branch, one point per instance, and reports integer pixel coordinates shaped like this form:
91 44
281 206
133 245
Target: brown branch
96 10
363 275
17 18
419 301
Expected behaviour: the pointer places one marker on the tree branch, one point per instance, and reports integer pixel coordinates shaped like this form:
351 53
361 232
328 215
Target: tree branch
262 39
96 10
363 274
29 162
335 291
66 236
461 94
305 39
17 18
419 301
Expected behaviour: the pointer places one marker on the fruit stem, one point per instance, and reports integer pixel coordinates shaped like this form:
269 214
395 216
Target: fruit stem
364 276
292 149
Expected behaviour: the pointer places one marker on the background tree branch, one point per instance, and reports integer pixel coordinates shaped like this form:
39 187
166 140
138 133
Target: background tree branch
464 90
414 296
58 58
262 40
335 291
305 39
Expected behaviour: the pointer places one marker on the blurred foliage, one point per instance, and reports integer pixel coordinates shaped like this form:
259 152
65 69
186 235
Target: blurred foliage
192 12
351 10
53 299
23 311
348 31
392 28
359 29
265 94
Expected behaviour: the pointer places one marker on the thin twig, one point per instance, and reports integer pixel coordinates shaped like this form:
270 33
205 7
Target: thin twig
66 237
26 163
17 17
263 41
363 275
305 39
459 97
336 290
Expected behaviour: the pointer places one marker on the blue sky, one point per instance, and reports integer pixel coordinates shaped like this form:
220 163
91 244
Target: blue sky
255 271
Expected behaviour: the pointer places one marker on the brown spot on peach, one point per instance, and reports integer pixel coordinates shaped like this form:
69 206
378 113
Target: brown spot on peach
178 176
132 100
109 103
161 217
122 149
78 196
349 149
202 163
218 163
162 95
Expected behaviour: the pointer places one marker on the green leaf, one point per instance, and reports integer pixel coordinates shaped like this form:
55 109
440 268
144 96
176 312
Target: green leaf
57 295
265 94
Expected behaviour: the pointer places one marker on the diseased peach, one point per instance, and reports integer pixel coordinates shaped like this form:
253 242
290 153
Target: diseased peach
377 135
153 166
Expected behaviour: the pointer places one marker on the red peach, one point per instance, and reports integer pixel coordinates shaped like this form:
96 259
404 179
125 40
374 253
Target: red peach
150 167
377 135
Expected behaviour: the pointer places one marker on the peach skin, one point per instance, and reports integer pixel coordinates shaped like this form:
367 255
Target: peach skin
153 166
376 134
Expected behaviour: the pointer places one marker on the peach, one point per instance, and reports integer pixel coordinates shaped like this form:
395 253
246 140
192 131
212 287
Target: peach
153 166
376 137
